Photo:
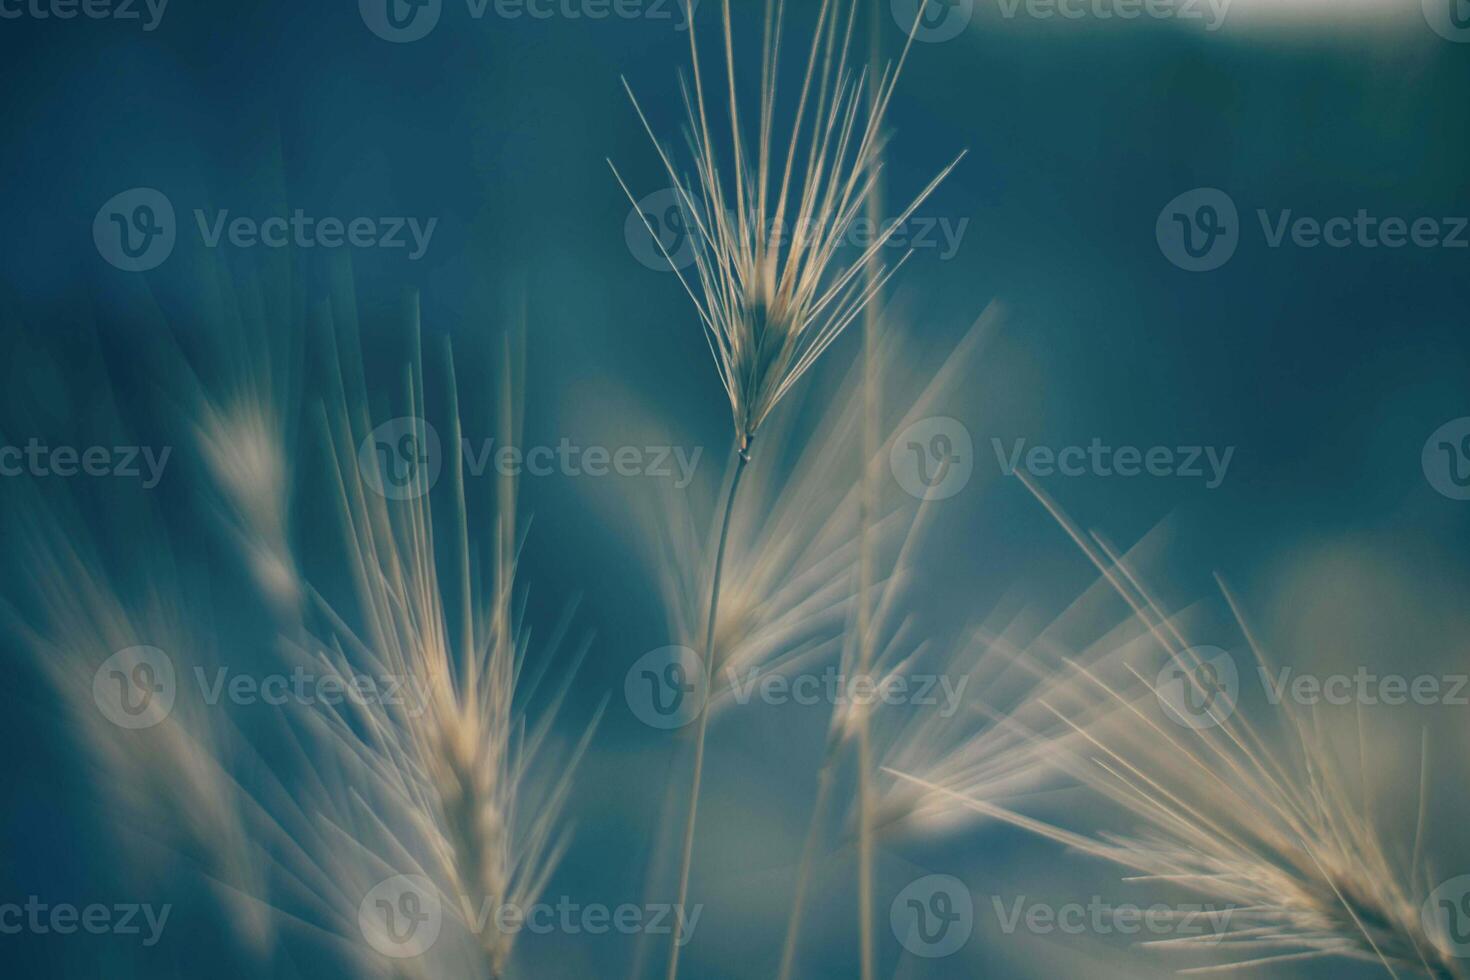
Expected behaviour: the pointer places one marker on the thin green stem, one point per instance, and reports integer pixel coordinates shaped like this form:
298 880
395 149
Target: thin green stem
742 461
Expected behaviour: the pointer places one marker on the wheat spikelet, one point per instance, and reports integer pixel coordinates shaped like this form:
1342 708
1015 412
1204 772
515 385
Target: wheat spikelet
166 784
234 381
772 303
242 442
1272 822
451 783
773 299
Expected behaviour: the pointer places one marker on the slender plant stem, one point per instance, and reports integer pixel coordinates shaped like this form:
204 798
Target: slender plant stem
656 863
803 874
865 849
872 274
742 460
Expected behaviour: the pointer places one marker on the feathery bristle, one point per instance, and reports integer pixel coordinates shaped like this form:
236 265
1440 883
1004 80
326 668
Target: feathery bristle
164 776
455 787
1270 825
773 298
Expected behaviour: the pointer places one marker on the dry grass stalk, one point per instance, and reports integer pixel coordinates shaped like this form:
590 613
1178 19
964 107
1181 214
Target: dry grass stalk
772 301
773 298
1278 828
452 783
879 640
166 783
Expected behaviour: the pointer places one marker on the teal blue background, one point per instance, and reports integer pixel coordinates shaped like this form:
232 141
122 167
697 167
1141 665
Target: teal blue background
1327 369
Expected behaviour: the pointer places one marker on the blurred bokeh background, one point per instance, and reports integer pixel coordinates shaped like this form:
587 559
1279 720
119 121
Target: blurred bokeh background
1326 369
